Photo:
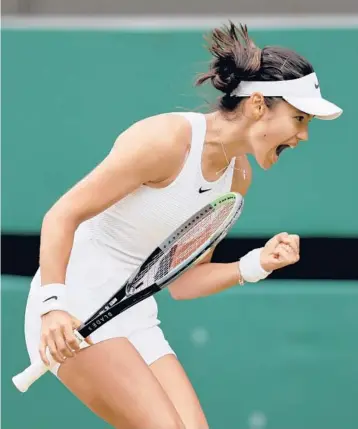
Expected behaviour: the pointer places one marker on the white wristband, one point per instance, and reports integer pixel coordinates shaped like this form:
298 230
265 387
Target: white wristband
250 267
52 297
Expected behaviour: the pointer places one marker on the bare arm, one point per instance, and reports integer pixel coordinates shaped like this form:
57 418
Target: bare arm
209 278
140 155
204 280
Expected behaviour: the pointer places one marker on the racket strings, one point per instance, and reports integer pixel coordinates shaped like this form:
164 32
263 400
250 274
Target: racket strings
195 235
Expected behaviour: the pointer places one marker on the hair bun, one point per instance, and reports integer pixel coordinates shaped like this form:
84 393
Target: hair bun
236 58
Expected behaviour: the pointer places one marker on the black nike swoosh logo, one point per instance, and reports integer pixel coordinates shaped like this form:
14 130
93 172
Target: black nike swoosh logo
201 190
51 297
316 85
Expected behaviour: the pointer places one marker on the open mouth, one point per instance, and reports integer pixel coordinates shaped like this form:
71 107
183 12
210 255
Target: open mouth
281 148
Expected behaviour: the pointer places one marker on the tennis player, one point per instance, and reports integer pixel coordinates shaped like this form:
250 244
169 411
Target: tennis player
159 172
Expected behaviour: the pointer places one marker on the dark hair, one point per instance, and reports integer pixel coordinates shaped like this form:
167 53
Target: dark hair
237 58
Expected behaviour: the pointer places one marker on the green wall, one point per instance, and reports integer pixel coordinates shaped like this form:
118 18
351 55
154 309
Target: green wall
67 94
287 350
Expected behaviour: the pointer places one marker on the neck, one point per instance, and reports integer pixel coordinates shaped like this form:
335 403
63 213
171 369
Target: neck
224 136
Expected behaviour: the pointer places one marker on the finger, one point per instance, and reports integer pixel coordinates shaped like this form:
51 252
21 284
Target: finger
62 346
283 248
275 241
284 237
286 255
292 241
42 351
290 248
89 341
71 339
51 344
76 323
296 241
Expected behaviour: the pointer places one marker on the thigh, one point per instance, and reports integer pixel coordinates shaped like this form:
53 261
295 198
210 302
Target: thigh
172 377
112 379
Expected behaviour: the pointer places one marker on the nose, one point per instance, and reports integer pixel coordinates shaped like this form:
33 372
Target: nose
303 135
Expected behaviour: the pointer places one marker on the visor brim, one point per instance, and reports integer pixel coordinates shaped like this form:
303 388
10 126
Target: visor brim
316 106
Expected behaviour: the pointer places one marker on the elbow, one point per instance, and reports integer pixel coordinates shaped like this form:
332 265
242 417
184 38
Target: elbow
59 218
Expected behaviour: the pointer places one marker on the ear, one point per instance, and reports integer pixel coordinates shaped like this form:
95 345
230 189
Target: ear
258 105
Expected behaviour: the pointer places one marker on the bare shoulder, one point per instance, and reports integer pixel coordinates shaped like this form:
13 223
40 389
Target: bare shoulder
168 132
160 141
242 175
148 151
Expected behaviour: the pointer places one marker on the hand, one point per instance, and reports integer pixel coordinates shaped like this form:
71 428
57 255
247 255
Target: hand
281 250
57 335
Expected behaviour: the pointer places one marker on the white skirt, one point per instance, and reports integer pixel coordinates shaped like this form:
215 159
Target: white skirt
91 279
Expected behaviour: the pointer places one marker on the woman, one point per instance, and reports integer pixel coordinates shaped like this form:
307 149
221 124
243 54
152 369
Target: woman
159 172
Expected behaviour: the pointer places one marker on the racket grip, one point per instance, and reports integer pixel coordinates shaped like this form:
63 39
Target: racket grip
26 378
32 373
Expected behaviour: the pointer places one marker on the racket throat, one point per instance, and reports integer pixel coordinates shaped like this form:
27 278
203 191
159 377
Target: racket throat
132 289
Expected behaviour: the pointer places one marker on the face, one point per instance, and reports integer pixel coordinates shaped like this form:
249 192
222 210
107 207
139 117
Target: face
275 129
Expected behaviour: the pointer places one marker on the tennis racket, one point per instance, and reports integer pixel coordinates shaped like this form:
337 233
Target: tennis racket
185 247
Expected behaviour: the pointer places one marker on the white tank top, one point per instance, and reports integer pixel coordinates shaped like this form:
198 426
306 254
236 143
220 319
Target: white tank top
110 246
131 228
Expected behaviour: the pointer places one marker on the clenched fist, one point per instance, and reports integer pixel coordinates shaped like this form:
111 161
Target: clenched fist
281 250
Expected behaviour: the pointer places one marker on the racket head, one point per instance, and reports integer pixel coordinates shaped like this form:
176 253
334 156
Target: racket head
188 243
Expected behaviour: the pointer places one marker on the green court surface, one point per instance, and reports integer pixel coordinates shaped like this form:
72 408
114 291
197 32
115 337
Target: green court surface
280 355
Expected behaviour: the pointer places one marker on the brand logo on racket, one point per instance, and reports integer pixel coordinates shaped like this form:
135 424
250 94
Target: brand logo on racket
201 190
100 321
51 297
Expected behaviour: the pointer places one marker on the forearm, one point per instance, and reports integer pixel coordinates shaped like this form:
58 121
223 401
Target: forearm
56 244
205 279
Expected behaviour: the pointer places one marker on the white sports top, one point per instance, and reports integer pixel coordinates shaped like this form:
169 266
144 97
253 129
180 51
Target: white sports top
131 228
110 246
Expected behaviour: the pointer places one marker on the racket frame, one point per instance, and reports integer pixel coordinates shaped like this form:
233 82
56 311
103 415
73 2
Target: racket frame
126 297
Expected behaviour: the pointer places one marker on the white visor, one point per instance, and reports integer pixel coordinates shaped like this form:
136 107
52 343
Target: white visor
303 93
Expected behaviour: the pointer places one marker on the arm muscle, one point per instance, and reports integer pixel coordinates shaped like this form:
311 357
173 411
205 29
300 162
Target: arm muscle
140 155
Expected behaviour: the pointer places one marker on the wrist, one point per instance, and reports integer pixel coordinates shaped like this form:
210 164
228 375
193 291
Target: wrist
52 297
250 267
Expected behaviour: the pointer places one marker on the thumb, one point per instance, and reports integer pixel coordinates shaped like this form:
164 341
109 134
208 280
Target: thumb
89 341
76 324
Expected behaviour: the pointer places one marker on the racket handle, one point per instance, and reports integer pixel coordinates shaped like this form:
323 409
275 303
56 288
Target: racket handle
26 378
32 373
